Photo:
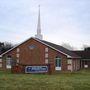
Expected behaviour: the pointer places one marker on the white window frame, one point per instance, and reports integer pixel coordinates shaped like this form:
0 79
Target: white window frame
8 65
58 64
69 61
18 60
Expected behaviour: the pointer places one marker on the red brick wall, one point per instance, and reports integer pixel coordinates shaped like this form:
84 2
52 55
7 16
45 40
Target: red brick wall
35 56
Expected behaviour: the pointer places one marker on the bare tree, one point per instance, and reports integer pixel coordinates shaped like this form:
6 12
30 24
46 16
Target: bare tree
8 45
68 46
5 46
87 49
84 46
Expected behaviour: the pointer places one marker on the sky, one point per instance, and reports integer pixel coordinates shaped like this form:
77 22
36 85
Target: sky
62 21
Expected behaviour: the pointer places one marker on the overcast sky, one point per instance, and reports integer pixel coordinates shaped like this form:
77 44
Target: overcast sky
65 21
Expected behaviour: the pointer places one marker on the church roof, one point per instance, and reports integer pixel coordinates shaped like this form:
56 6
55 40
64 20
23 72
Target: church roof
56 47
61 49
83 54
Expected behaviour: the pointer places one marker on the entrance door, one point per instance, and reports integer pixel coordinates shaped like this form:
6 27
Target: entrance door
58 63
8 62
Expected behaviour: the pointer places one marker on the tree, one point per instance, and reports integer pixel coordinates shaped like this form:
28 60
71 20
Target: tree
68 46
87 49
84 46
5 46
1 46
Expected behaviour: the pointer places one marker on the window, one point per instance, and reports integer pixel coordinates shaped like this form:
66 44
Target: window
58 62
18 50
8 62
46 55
31 47
46 49
46 61
69 61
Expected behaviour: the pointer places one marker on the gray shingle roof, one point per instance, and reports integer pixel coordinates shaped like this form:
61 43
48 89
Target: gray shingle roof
61 48
83 54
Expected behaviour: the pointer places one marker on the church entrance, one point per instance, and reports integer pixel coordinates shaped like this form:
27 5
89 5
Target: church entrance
57 63
8 62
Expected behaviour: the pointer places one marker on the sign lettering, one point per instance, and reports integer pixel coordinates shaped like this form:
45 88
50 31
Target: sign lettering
36 69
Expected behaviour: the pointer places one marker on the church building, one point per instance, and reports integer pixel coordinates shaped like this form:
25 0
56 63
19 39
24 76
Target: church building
36 55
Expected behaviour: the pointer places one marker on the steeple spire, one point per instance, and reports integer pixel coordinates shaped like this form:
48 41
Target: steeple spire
38 35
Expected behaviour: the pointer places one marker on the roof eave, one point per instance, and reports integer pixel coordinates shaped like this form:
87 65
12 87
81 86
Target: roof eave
74 57
68 56
52 47
15 47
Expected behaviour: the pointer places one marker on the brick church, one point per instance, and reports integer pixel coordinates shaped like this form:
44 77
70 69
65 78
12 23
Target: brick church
36 55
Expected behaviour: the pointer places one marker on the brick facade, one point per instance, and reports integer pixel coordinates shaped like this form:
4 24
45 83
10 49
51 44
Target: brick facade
35 56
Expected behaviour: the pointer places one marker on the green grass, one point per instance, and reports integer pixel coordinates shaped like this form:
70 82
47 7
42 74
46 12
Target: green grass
61 81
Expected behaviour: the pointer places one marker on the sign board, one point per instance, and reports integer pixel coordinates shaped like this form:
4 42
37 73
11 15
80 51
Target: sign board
36 69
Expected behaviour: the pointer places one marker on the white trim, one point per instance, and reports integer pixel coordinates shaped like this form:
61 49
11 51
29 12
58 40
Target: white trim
17 55
46 61
58 68
18 50
46 55
8 66
69 57
46 50
17 60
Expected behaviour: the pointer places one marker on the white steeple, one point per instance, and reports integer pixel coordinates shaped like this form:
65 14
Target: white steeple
39 35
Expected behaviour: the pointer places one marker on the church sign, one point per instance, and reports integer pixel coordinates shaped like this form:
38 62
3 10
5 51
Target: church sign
36 69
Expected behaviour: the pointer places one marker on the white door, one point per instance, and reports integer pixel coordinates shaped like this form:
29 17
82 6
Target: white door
58 63
8 62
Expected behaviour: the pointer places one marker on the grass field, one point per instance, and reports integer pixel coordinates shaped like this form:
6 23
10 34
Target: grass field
61 81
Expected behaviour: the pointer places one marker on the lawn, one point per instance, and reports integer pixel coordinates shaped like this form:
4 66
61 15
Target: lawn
61 81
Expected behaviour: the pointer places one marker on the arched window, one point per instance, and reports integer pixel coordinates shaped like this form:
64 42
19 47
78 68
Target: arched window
58 63
8 62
